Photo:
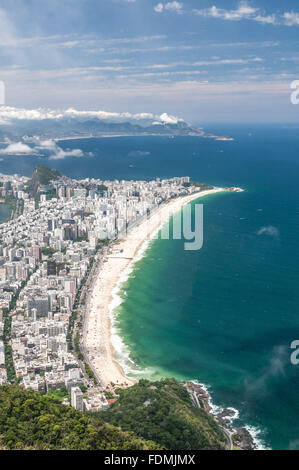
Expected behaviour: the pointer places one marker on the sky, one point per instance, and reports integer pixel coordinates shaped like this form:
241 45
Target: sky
202 60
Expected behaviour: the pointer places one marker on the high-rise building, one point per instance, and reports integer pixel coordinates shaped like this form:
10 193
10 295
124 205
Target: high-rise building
51 268
41 304
52 224
70 286
77 398
36 252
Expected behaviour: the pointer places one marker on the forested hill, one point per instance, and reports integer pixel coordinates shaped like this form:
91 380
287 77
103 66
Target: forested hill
29 420
149 415
164 413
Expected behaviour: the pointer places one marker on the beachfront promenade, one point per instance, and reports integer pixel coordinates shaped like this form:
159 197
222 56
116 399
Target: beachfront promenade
115 267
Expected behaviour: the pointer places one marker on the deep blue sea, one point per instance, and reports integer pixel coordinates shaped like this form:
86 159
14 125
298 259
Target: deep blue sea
226 314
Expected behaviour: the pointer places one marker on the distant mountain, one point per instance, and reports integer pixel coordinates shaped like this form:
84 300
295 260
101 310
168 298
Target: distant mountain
19 123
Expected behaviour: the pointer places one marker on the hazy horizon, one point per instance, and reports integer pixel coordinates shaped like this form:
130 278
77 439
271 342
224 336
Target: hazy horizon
228 61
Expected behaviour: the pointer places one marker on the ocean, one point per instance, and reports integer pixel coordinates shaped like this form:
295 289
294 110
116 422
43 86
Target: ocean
224 315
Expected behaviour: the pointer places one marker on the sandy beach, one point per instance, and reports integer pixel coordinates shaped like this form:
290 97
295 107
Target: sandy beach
97 325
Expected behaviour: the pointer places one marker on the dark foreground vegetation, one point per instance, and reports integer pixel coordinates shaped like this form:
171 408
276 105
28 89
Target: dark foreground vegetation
29 420
149 415
164 413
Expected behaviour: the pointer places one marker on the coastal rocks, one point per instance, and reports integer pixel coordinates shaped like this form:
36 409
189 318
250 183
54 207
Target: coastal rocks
226 416
199 396
243 439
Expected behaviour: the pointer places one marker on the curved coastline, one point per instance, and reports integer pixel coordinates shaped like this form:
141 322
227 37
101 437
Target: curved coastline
117 265
102 341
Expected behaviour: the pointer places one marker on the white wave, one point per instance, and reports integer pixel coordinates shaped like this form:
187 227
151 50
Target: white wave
254 431
131 369
256 436
122 352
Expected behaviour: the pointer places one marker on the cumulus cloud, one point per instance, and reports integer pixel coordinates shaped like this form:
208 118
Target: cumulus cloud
46 148
55 152
167 119
61 154
171 6
269 230
174 6
9 114
159 8
18 148
244 10
291 18
269 19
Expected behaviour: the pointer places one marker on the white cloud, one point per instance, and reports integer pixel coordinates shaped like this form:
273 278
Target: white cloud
270 19
17 148
9 114
247 12
46 148
159 8
174 6
244 11
56 152
170 6
168 119
61 154
291 18
227 61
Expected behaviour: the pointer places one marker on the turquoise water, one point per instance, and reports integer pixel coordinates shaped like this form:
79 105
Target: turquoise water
224 315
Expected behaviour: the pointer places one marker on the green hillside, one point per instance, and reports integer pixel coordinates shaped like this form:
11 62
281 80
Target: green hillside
149 415
42 175
164 413
29 420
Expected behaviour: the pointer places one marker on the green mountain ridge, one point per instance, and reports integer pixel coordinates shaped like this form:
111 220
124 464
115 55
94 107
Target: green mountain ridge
164 413
31 421
149 415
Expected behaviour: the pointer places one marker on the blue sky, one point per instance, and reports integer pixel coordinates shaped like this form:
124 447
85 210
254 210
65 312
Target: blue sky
202 60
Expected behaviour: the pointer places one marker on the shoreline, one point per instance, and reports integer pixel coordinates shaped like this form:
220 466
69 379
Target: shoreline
99 341
97 332
114 136
146 134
